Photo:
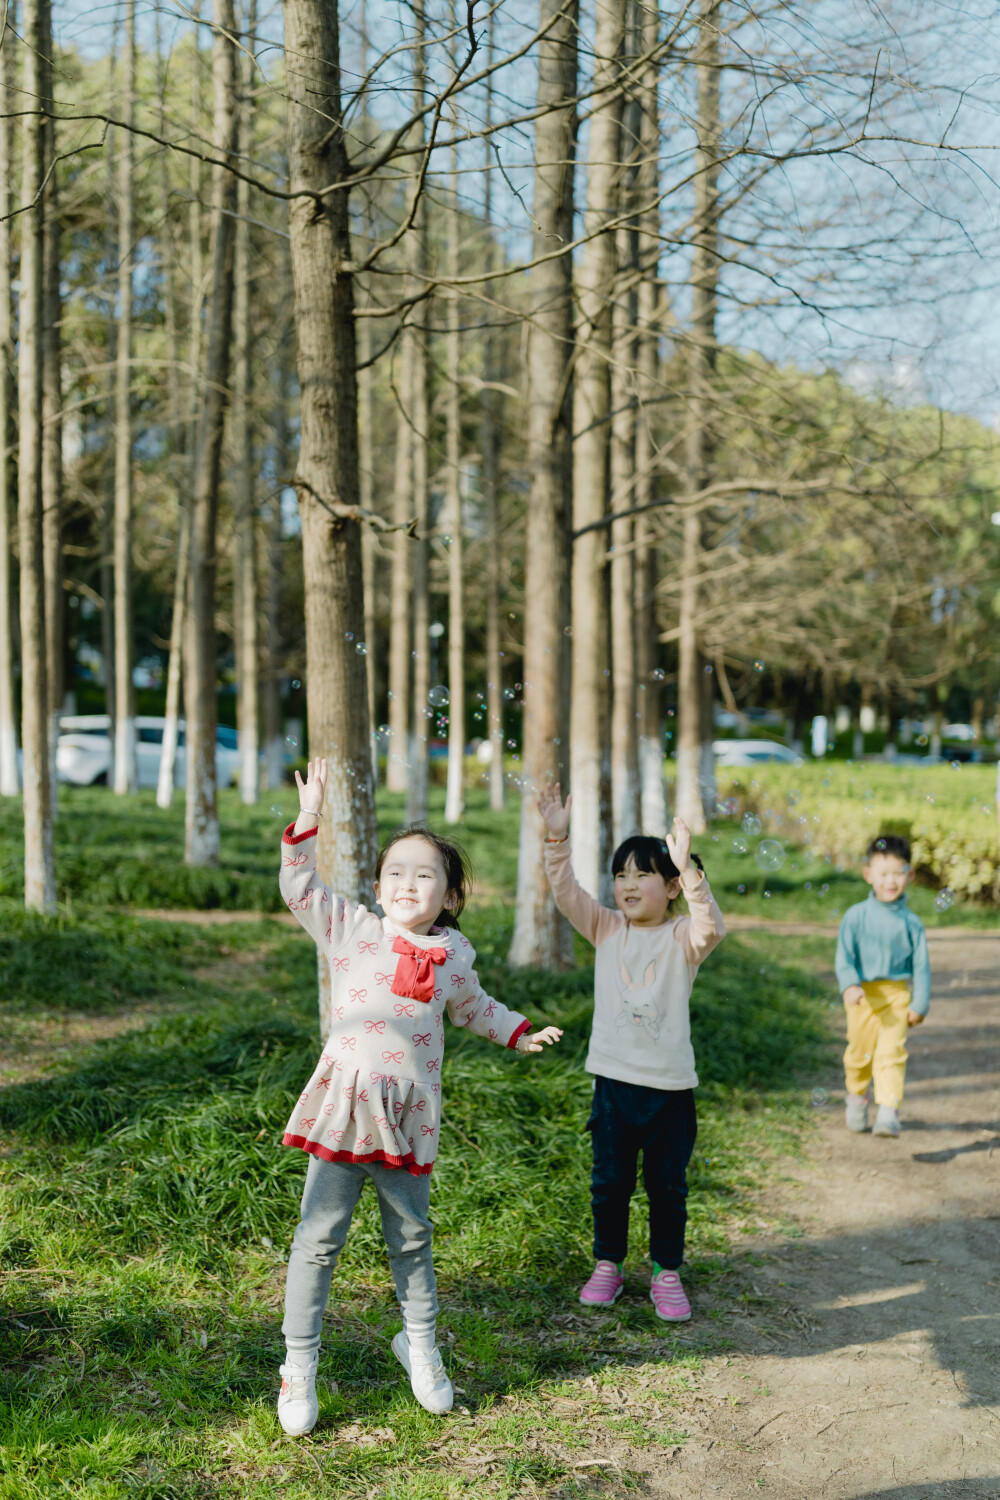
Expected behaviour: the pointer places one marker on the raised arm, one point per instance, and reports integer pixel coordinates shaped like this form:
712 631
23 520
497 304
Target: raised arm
326 917
703 928
592 920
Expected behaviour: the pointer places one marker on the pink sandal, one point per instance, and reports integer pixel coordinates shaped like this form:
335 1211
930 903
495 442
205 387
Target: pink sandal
604 1287
669 1298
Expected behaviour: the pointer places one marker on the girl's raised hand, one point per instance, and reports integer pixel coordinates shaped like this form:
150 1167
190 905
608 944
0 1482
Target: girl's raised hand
312 791
555 812
532 1041
679 845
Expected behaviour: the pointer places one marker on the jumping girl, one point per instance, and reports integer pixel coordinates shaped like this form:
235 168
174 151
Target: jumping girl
372 1108
640 1045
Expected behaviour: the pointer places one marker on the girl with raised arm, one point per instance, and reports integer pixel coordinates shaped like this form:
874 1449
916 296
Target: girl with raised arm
640 1052
372 1108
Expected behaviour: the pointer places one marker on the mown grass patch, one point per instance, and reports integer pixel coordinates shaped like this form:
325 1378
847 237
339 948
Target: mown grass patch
147 1209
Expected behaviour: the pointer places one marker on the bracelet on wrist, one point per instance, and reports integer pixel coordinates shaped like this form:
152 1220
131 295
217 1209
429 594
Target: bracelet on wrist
556 841
309 812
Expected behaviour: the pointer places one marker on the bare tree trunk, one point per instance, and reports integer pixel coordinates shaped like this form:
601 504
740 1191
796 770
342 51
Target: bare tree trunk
245 540
591 412
202 820
455 793
366 399
39 867
125 767
178 618
52 468
698 435
328 455
624 736
9 780
419 768
274 760
652 798
397 774
540 935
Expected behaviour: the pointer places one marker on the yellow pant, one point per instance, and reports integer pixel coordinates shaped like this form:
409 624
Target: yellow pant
876 1041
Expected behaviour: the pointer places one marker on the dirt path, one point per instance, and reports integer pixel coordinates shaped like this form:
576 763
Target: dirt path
868 1361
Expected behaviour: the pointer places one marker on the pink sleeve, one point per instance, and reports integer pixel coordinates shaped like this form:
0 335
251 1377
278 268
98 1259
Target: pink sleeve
703 928
592 920
327 918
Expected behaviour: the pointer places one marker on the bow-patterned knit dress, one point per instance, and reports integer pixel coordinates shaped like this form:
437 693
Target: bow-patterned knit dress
375 1095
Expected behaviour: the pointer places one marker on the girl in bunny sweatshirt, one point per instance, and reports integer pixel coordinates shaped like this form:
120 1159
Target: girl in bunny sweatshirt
645 964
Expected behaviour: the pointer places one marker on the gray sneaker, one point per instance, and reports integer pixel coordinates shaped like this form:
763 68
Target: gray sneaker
856 1114
886 1121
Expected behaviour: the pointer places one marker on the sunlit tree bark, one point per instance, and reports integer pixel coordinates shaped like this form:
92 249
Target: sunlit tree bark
125 766
9 780
455 791
39 867
540 935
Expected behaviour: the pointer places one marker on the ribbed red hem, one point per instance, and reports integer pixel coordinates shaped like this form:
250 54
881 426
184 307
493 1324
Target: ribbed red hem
291 837
315 1149
524 1026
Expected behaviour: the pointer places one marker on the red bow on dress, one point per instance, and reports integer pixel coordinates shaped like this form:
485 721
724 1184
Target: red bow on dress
414 976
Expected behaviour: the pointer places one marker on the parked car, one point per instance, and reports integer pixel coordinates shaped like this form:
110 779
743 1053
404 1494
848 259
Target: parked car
84 751
752 752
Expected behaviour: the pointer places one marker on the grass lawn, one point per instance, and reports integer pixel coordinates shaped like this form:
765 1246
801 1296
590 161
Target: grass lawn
147 1206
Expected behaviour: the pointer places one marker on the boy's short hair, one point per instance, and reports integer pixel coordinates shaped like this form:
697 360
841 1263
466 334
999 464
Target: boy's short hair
889 843
652 857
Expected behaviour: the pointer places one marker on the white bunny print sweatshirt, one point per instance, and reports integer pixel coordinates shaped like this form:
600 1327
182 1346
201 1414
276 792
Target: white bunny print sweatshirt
643 978
375 1094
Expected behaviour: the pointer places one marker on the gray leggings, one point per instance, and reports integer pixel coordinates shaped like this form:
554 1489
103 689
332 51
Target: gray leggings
329 1199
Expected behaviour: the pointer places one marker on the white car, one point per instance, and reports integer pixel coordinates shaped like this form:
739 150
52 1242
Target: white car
84 751
752 753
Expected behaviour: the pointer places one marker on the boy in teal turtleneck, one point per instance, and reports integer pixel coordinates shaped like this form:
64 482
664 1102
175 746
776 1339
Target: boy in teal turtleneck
885 977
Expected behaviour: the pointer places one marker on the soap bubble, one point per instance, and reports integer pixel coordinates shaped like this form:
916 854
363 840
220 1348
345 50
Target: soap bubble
296 682
956 765
349 636
758 665
793 795
508 693
945 899
657 674
750 824
742 889
769 854
276 811
567 630
290 741
767 895
921 739
439 697
818 1098
727 807
385 731
361 648
740 845
512 744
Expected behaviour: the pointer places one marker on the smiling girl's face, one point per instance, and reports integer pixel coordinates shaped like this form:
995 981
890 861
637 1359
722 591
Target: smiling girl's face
413 887
642 897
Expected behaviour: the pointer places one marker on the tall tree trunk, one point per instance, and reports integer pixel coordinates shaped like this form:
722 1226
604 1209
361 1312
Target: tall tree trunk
397 773
245 540
366 412
201 813
178 617
624 737
541 937
39 867
419 767
328 454
125 767
274 755
455 794
591 411
490 442
698 433
52 467
10 783
652 799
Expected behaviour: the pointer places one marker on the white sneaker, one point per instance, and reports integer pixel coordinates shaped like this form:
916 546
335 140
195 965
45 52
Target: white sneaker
428 1377
856 1114
886 1121
298 1406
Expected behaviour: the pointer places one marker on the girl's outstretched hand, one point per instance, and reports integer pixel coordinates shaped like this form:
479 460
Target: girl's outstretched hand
532 1041
555 812
679 845
312 791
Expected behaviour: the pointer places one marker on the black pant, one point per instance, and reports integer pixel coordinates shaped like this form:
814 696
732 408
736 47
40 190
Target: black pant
627 1118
